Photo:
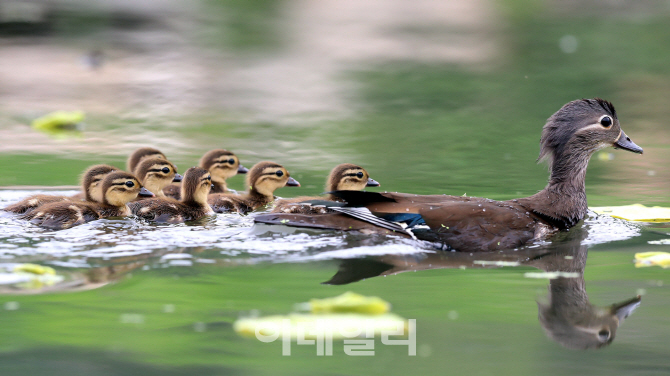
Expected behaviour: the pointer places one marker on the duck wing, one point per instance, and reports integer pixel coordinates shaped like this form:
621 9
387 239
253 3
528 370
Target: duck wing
479 226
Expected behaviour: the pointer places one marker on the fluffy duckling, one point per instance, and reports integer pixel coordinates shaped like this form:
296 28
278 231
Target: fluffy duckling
90 183
118 189
139 155
221 164
193 205
263 179
156 174
344 177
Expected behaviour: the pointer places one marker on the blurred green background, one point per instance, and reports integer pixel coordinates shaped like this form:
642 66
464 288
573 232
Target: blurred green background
429 96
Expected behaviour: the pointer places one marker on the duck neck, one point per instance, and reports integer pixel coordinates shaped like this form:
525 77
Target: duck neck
563 201
219 186
258 198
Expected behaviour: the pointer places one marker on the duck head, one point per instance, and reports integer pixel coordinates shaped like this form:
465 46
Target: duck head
349 177
121 187
265 177
140 154
156 174
91 179
196 185
222 164
579 129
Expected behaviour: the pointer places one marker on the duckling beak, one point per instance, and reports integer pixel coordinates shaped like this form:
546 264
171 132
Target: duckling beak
177 178
242 170
626 308
372 183
624 142
292 183
145 193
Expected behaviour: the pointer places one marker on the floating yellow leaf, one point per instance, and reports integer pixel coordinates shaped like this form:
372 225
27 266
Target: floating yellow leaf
311 326
34 269
636 212
59 122
644 259
350 302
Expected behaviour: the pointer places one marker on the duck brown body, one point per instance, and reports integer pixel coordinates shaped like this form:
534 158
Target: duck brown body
263 179
343 177
91 192
195 188
118 187
569 138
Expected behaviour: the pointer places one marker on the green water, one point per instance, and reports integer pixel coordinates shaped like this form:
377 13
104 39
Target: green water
417 127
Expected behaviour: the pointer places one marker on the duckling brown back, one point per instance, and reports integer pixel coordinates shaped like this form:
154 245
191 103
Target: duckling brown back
138 155
118 187
90 183
262 180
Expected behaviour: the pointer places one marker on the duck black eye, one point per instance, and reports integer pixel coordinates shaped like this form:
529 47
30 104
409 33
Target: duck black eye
606 121
208 178
360 175
130 184
280 173
166 170
231 161
604 335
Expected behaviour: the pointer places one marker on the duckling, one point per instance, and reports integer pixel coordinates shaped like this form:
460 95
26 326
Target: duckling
569 138
344 177
263 179
118 189
140 154
90 183
91 178
156 174
222 164
195 188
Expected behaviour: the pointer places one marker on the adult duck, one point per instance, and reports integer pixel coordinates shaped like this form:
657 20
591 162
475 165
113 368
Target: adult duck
569 138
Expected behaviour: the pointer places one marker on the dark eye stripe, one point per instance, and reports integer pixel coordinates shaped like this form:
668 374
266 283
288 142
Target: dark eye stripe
353 174
156 170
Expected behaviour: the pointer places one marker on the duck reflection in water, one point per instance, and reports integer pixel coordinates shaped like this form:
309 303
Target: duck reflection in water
568 317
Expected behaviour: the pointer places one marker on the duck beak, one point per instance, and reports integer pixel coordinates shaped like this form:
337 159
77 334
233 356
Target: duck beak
145 193
177 178
242 170
626 308
372 183
292 182
624 142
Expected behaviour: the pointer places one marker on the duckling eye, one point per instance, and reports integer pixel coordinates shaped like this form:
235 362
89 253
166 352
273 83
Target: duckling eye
280 173
604 335
606 121
208 178
166 170
231 161
360 175
130 184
